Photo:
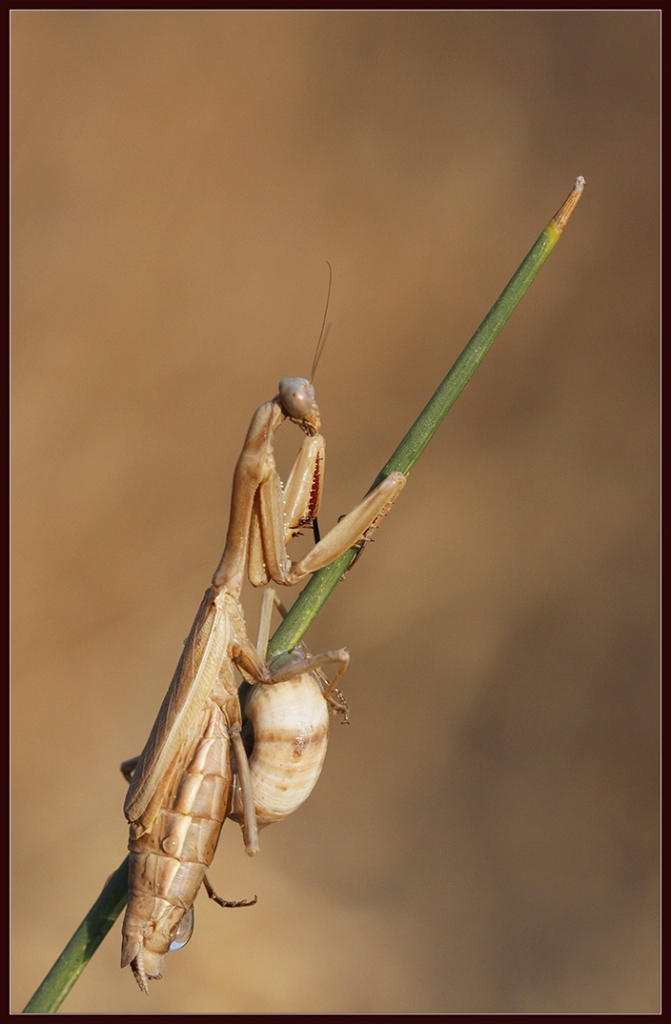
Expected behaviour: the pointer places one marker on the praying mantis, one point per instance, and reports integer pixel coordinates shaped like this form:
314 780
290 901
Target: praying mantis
183 785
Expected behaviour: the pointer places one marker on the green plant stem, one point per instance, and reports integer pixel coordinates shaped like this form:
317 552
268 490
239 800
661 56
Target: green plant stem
111 901
83 944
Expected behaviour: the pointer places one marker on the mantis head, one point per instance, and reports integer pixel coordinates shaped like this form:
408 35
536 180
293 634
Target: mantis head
297 398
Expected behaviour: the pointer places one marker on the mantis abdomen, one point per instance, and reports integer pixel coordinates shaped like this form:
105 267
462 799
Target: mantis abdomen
168 863
290 722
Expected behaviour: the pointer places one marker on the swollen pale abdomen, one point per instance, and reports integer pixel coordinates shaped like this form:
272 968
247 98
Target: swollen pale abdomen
291 724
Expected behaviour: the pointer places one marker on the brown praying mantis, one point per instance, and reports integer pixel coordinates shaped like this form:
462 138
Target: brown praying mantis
182 786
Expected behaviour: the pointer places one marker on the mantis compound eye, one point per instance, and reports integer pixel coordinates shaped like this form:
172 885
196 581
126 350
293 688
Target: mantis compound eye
297 396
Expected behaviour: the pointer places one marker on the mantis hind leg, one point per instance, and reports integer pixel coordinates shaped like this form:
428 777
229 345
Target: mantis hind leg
249 827
226 903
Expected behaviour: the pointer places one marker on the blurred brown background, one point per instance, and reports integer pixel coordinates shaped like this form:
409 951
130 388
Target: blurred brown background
485 833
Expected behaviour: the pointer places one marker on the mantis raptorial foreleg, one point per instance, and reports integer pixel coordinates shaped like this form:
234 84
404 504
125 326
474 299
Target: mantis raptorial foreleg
268 518
180 790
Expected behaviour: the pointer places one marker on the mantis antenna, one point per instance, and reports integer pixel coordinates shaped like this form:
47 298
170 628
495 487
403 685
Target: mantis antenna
324 333
321 342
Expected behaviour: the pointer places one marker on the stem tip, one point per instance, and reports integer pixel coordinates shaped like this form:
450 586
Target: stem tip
561 217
